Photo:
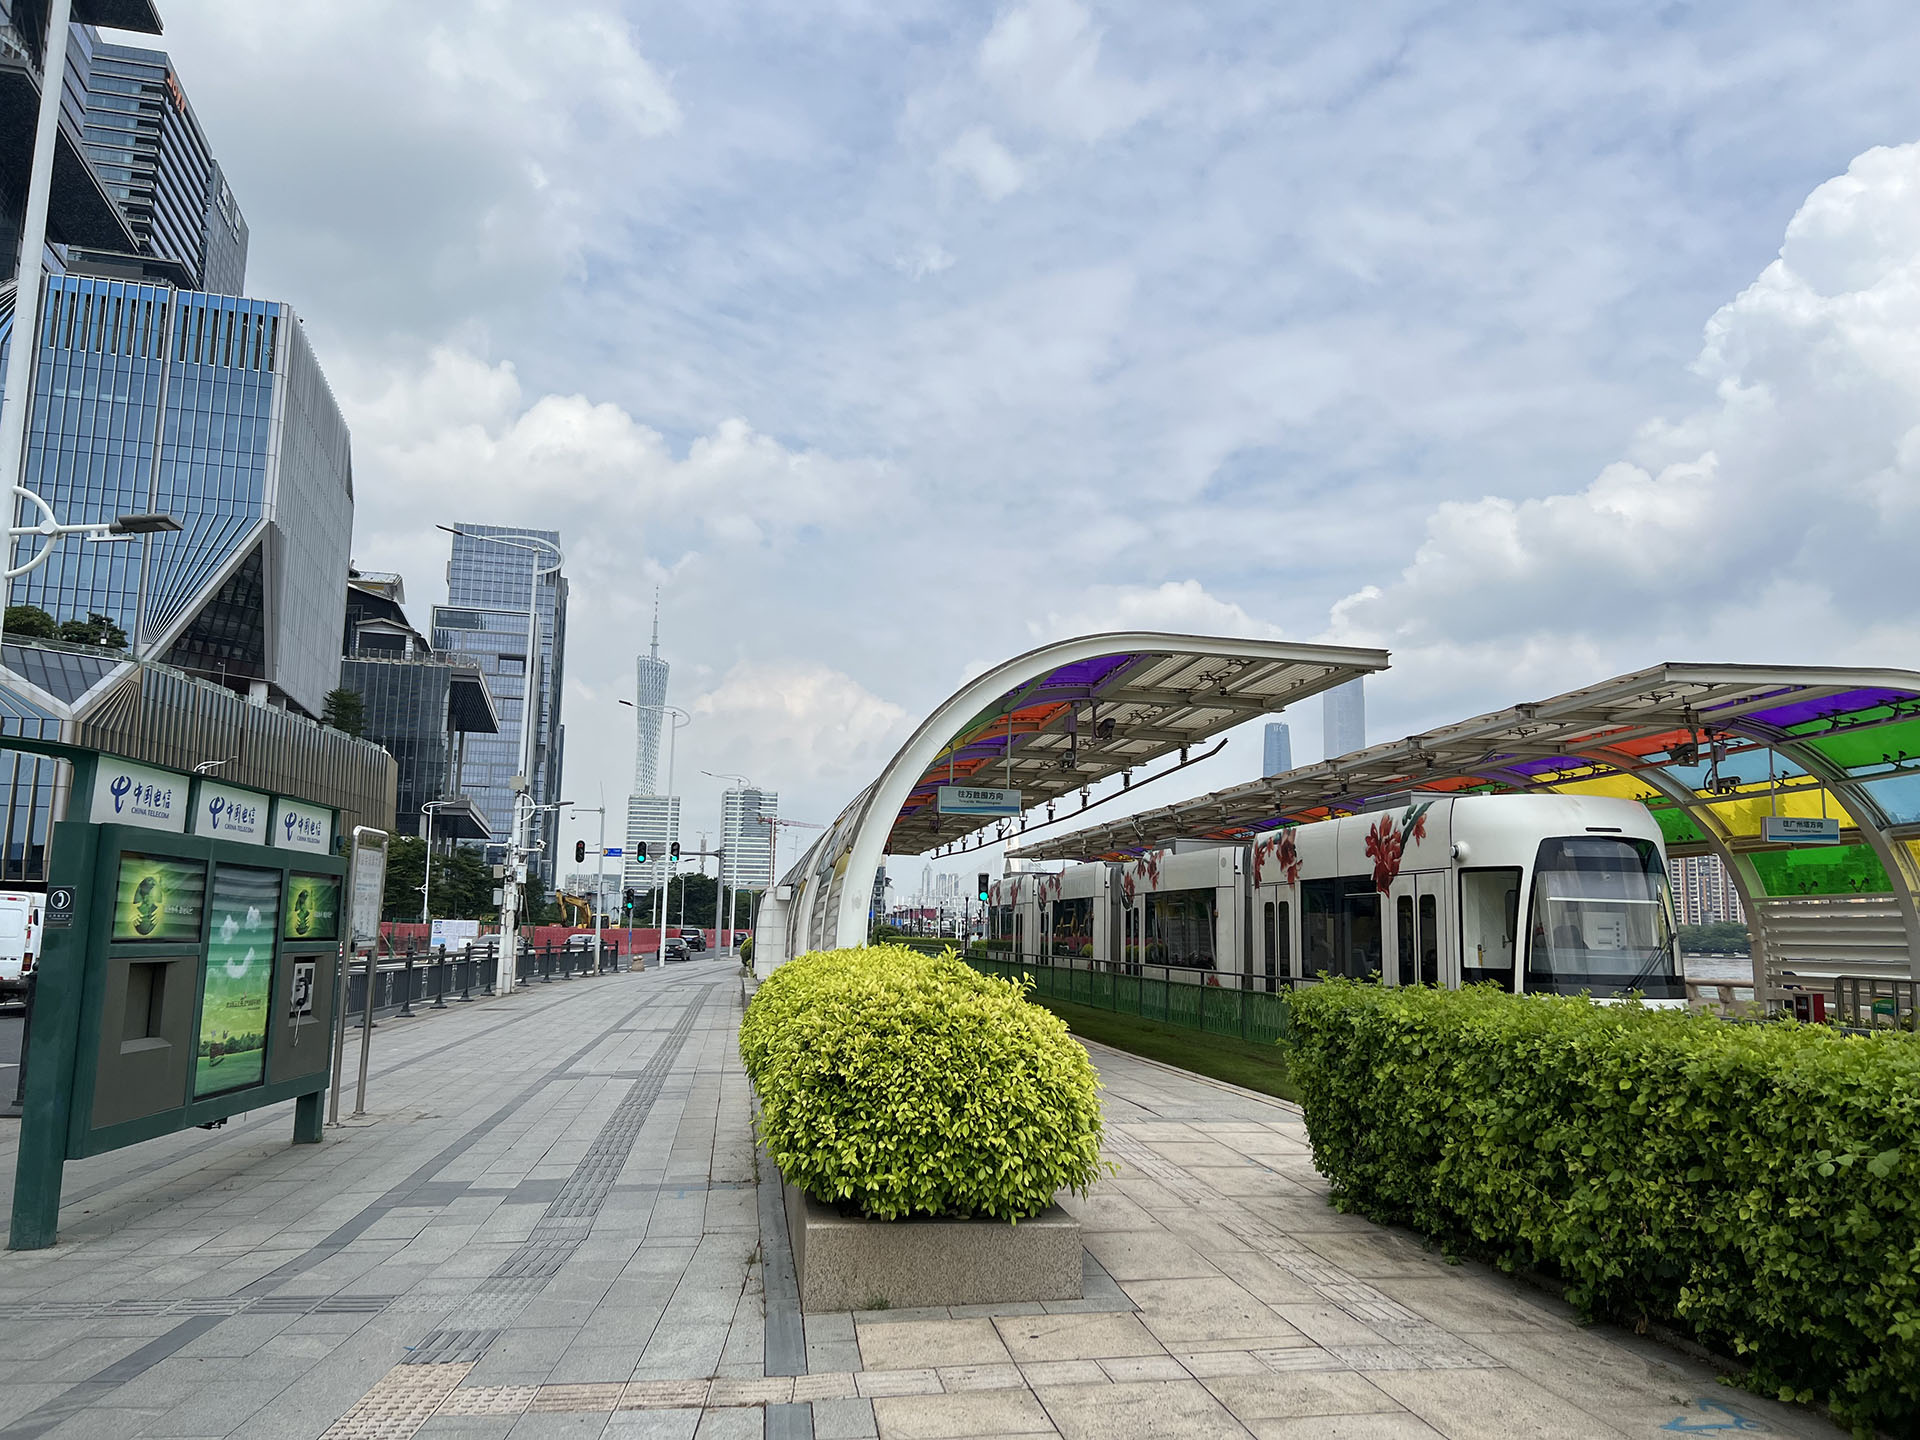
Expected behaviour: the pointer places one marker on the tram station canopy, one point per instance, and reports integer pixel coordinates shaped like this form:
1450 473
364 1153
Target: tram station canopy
1714 751
1050 724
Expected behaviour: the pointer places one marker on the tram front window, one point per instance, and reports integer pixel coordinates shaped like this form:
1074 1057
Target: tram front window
1599 920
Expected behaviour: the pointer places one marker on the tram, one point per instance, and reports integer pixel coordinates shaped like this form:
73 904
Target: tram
1548 894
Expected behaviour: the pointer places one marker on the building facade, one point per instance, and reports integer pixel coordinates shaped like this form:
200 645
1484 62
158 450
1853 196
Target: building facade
653 821
484 623
1277 755
746 837
1703 892
1343 719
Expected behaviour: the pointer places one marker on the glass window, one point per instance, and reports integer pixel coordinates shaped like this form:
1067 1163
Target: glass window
1404 937
1180 928
1340 927
1072 934
1599 919
1429 940
1489 922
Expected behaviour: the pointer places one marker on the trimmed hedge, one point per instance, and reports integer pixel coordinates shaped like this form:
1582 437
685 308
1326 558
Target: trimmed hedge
1758 1185
900 1084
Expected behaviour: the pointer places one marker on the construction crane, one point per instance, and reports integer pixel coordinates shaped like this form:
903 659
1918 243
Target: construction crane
774 827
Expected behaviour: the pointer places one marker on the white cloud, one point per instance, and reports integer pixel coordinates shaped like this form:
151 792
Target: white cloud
1180 606
986 162
798 726
1778 523
1043 59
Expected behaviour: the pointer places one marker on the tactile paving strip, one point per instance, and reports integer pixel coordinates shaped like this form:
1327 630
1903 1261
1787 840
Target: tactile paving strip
400 1404
215 1305
565 1224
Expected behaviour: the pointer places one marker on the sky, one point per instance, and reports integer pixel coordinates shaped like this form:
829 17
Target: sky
1533 342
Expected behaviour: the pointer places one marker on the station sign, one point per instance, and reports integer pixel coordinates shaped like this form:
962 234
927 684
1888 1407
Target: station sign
127 794
972 800
301 827
1800 830
226 812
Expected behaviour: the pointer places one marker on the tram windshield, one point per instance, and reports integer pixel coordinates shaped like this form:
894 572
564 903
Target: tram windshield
1600 922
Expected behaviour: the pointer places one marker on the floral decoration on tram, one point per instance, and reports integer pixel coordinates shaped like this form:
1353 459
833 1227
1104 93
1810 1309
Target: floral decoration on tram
1387 843
1277 850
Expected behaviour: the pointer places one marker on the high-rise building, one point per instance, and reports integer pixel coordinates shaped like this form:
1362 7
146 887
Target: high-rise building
148 149
1343 719
420 706
653 821
1703 892
1278 756
746 837
484 623
213 410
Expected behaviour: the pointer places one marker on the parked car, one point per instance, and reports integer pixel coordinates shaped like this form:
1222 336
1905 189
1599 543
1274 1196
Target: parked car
696 939
580 942
19 940
677 948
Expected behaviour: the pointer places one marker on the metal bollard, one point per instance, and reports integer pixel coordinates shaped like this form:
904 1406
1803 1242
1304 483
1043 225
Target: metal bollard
406 996
466 995
493 964
440 980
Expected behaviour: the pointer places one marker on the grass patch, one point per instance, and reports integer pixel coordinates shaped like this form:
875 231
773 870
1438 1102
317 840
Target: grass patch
1238 1062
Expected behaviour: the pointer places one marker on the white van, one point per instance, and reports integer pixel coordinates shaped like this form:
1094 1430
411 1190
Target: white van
19 940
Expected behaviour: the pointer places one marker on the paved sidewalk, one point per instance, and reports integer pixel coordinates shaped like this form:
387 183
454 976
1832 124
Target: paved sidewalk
553 1224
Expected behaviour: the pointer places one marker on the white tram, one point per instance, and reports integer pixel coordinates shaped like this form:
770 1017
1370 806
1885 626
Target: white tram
1543 893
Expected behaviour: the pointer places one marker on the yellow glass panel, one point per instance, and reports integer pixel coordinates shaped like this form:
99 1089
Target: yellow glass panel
1743 813
1625 787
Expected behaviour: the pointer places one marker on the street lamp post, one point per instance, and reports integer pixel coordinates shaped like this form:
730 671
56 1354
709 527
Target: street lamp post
599 880
678 719
518 844
426 885
727 853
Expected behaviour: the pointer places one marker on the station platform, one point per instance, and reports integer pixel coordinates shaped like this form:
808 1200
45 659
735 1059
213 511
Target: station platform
553 1222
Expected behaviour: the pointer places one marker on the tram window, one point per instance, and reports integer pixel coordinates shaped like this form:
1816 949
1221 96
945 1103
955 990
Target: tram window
1340 927
1363 939
1180 928
1272 947
1429 940
1403 935
1489 922
1283 935
1072 932
1320 926
1019 935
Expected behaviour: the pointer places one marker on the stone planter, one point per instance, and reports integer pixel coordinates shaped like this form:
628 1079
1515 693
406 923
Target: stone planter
856 1264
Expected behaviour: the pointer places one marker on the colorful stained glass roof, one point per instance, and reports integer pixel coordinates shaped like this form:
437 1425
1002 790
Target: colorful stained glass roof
1715 748
1082 722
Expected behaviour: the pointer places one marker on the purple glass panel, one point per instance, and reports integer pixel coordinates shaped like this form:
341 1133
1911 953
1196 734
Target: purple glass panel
1084 673
1552 763
1844 703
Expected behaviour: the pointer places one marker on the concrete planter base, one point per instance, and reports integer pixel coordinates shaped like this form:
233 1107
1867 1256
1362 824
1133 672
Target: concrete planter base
856 1264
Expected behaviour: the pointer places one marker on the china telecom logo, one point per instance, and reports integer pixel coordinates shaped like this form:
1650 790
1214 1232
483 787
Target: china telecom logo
215 807
121 785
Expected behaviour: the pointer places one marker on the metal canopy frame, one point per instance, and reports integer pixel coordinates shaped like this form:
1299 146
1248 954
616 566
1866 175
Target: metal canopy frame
1710 749
1052 722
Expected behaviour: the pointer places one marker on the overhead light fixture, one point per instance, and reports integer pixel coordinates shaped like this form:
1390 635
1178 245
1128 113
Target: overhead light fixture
142 524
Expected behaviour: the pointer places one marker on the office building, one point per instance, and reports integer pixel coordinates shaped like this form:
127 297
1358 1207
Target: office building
1277 758
147 147
212 410
746 837
652 820
1343 719
1703 892
484 623
80 211
419 706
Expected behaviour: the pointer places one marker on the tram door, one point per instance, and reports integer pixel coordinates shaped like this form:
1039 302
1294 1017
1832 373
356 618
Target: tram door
1273 938
1421 954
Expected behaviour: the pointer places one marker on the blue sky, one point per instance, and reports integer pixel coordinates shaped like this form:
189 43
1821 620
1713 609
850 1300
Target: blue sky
894 338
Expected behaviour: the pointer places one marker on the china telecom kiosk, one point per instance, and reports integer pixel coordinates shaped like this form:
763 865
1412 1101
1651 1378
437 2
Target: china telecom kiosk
187 971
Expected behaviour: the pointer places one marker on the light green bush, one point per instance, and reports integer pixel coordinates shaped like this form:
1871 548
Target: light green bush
900 1084
1758 1185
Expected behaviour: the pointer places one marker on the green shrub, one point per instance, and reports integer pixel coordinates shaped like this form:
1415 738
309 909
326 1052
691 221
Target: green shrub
900 1084
1757 1185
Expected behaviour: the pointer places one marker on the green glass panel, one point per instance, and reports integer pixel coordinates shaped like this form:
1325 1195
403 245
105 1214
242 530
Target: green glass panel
1821 870
1677 827
1854 748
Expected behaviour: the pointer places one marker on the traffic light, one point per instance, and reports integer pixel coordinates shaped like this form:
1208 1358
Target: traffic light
627 895
673 851
640 851
579 852
985 887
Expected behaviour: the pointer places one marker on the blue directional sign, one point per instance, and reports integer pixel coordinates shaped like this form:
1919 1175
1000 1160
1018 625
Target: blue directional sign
613 850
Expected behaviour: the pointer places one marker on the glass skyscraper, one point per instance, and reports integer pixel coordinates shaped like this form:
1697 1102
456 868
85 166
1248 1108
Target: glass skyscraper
1277 755
747 838
484 622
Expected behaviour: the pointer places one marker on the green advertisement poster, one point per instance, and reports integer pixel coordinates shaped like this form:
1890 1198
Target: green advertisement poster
232 1046
313 908
159 898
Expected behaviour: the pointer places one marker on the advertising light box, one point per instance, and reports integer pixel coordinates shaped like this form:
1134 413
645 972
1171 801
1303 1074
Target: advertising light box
159 898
